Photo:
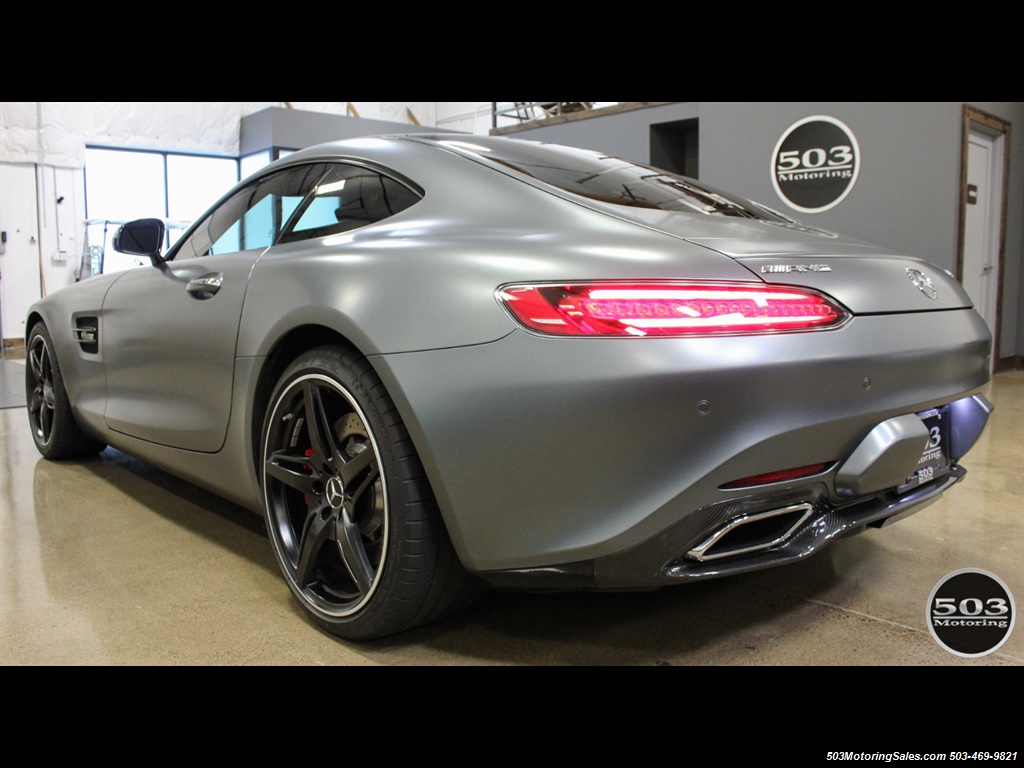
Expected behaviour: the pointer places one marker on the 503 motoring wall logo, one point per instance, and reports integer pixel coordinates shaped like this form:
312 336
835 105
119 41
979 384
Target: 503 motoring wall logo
971 612
815 164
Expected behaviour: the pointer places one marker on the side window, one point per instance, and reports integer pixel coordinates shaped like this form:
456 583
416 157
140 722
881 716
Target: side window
347 197
254 216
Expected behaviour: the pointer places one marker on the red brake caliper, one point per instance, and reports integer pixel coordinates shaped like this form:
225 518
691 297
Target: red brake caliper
309 452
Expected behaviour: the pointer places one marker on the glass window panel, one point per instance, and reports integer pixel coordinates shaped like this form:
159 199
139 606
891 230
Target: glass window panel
349 197
320 213
256 228
614 180
252 217
122 185
252 163
195 183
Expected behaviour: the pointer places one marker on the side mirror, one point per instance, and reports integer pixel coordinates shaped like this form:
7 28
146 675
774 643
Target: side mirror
142 237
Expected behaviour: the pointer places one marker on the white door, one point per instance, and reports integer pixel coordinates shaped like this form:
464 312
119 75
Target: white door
19 256
982 223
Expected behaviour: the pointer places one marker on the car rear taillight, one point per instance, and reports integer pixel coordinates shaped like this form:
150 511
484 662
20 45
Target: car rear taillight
668 309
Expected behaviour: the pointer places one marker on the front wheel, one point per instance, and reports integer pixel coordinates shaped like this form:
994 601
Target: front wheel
54 429
350 514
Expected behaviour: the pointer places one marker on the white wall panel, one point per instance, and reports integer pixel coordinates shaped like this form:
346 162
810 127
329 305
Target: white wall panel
19 264
190 126
19 135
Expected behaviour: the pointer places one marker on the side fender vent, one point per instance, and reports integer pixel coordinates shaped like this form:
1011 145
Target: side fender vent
87 334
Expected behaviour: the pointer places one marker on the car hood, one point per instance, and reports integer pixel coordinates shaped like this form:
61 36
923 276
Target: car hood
865 278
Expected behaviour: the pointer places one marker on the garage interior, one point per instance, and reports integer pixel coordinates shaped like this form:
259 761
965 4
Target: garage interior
110 561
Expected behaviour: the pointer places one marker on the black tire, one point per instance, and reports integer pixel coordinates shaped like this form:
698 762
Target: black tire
54 429
349 511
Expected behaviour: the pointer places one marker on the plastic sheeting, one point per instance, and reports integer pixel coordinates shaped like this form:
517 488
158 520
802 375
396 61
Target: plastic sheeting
55 133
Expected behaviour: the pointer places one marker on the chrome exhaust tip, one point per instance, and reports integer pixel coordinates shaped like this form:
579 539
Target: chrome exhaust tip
751 533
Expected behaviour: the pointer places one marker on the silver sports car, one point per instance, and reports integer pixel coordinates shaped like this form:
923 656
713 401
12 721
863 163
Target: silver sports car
437 362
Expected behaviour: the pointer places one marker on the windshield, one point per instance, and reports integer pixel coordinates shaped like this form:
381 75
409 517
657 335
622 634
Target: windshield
612 180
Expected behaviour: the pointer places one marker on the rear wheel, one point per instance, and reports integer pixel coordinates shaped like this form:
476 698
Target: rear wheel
54 429
350 514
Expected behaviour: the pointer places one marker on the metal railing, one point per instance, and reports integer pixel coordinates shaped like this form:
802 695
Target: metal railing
523 111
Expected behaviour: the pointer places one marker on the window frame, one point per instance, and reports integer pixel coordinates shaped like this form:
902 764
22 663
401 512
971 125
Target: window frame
288 229
288 224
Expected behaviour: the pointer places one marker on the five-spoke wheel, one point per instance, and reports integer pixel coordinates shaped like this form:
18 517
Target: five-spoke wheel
39 386
326 494
56 433
349 511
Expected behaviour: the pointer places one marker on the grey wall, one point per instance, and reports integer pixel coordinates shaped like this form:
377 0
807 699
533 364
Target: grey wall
907 194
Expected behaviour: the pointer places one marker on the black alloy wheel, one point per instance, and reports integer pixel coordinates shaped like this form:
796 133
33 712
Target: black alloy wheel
349 511
54 429
327 495
41 399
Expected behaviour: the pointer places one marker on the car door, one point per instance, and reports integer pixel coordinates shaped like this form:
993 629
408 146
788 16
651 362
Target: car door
169 331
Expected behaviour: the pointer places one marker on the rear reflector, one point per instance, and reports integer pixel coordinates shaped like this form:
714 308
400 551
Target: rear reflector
668 309
777 477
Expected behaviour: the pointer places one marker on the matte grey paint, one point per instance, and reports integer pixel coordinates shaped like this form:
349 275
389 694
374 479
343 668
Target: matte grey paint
540 451
153 324
885 458
554 450
969 418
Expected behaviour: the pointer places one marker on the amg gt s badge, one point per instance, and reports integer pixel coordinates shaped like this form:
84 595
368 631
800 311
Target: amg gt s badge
777 268
923 283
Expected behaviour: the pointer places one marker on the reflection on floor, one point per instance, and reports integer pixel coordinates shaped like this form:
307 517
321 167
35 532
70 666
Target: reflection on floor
113 562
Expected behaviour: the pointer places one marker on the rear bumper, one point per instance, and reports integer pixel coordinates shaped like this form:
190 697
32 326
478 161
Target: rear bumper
600 462
765 529
667 559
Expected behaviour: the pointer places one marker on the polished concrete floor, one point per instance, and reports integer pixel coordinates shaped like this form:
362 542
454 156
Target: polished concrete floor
112 562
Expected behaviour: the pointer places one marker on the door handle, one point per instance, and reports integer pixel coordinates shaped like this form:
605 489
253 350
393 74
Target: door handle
204 287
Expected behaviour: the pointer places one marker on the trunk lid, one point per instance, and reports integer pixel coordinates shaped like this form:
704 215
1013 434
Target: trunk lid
863 277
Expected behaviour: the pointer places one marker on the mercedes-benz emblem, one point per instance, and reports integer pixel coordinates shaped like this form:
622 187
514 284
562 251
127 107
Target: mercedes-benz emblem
923 283
335 493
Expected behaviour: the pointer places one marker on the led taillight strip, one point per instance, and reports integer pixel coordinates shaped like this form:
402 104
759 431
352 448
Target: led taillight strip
668 309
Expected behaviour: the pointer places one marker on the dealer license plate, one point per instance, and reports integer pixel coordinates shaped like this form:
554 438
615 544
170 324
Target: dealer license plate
934 461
